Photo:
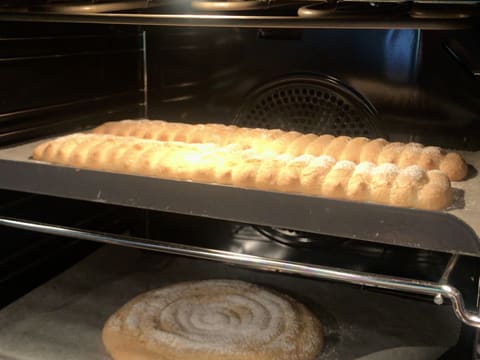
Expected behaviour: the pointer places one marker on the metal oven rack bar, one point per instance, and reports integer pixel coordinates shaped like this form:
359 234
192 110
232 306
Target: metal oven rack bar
93 7
245 21
439 290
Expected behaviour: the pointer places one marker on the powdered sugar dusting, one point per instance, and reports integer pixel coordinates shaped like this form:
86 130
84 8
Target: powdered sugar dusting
323 161
365 167
220 317
414 171
386 170
344 165
283 157
306 159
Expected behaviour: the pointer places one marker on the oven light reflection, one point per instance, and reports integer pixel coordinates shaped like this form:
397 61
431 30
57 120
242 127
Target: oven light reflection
401 54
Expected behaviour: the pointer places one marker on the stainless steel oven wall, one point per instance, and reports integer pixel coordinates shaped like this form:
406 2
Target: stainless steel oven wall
416 89
62 76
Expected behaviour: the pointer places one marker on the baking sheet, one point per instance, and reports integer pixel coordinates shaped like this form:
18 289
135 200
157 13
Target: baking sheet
63 318
466 206
455 230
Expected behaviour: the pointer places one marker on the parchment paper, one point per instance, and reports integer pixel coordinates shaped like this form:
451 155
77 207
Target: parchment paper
62 320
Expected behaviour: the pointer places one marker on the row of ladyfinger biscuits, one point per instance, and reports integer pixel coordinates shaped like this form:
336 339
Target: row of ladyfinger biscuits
359 149
306 174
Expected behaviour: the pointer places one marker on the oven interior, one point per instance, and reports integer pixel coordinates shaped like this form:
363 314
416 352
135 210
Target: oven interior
400 83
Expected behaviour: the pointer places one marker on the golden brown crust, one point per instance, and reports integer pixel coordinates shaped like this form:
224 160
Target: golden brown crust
358 150
306 174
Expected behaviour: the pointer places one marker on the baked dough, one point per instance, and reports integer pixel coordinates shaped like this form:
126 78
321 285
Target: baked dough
358 149
306 174
213 320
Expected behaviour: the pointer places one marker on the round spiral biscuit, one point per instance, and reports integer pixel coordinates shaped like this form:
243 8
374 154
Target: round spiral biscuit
213 319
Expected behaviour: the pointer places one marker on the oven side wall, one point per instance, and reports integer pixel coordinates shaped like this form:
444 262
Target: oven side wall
58 77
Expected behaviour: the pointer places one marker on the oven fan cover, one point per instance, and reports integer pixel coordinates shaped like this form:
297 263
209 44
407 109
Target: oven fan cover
321 105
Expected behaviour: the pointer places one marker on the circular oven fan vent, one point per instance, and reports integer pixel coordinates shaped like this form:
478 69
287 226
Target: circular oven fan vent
317 105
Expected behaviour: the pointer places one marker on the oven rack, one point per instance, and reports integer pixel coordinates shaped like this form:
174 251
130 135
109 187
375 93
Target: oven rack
420 16
455 231
440 290
81 299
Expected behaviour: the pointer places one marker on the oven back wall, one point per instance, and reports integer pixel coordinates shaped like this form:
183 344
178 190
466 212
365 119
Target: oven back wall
399 84
63 76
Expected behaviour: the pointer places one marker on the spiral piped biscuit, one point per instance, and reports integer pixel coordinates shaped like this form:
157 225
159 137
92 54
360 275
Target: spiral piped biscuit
358 149
210 163
213 320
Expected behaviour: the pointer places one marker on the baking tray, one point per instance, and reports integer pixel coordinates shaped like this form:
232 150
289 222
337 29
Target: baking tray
455 230
63 318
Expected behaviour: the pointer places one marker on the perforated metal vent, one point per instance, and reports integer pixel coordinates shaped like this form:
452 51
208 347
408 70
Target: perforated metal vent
309 105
